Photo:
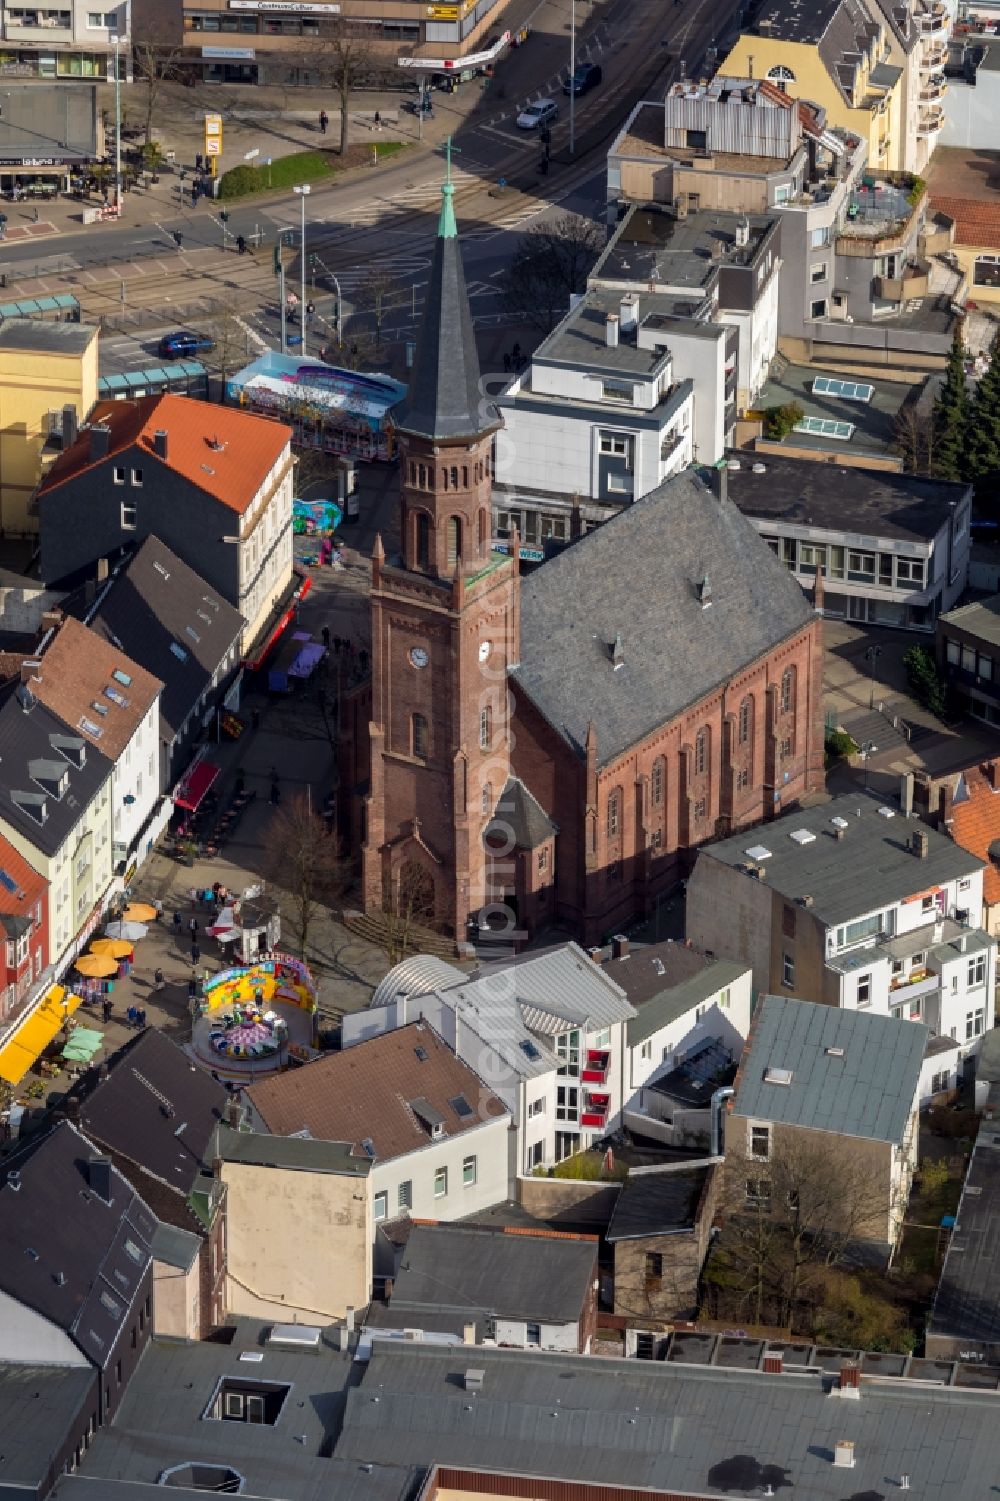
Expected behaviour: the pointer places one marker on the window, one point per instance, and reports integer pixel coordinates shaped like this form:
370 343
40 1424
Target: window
486 803
423 538
567 1102
617 390
654 1266
469 1172
928 903
939 1082
811 558
975 1023
758 1193
864 992
817 272
701 753
787 970
568 1052
441 1183
418 737
536 1108
615 443
977 971
533 1334
746 713
118 1372
656 782
380 1206
614 813
130 518
782 76
646 1051
787 920
788 690
700 808
485 728
404 1195
986 271
910 571
787 749
534 1158
119 476
454 540
819 308
760 1143
724 998
237 1401
137 478
543 859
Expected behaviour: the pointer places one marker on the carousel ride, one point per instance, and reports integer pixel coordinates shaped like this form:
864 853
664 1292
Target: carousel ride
254 1019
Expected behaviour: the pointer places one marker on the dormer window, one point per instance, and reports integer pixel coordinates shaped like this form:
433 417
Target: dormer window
51 776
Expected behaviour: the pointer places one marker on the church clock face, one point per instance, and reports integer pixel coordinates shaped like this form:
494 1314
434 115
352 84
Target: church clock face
418 657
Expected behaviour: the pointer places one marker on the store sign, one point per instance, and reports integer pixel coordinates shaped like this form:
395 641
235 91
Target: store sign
213 125
37 161
443 12
451 64
295 7
241 54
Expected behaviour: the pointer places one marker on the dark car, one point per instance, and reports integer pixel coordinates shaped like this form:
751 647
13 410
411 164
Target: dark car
177 346
586 77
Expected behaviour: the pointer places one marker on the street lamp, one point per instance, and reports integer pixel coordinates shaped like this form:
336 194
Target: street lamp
572 75
116 39
867 751
872 653
303 191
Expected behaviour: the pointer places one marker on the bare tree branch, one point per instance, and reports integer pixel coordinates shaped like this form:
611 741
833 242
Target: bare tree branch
306 864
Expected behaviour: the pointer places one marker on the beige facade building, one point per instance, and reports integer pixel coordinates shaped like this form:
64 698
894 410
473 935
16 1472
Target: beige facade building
299 1227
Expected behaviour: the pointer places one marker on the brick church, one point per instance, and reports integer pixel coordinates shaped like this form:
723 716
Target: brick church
550 748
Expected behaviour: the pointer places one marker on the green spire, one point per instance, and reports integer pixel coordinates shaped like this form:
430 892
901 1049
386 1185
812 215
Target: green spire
447 227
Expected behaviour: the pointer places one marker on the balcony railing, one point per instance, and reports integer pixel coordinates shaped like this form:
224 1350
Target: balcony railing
931 121
595 1070
902 990
595 1111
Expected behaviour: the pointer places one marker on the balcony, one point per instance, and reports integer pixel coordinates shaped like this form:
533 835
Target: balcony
934 25
913 282
879 213
933 89
917 983
933 56
595 1111
931 120
595 1070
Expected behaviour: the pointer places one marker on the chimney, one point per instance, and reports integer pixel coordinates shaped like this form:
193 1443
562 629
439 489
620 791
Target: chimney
742 235
619 946
946 801
850 1380
628 312
468 1334
102 570
99 1177
681 206
160 443
474 1380
937 933
990 773
31 670
819 593
843 1454
611 331
906 793
100 442
773 1363
839 832
618 651
705 592
234 1113
70 425
919 843
720 482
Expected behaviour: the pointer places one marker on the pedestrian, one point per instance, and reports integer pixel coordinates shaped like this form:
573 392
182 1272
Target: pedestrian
195 188
193 987
158 979
159 908
378 120
326 637
177 924
34 216
241 244
178 238
140 1017
324 120
515 353
193 928
310 311
506 361
195 953
106 1010
199 162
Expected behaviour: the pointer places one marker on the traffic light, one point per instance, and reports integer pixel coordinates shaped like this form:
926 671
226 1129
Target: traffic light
277 259
224 215
312 263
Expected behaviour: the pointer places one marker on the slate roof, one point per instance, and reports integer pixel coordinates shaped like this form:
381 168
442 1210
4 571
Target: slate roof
102 1250
444 399
157 1109
519 816
967 1302
293 1153
665 981
367 1092
658 1203
793 21
865 1088
980 619
223 451
801 492
148 607
37 336
36 742
675 650
541 1276
77 681
689 1429
868 869
39 1406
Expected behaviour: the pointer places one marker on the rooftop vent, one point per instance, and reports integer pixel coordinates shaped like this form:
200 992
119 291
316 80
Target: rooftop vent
299 1336
839 823
705 592
618 652
803 836
59 1279
474 1380
99 1177
834 1052
843 1454
884 812
778 1076
160 443
758 852
14 1180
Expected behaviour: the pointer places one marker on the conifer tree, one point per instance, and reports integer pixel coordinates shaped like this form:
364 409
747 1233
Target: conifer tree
983 428
950 421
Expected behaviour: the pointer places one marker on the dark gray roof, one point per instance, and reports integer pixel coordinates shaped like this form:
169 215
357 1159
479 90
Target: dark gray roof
42 120
580 340
884 75
344 1479
967 1301
30 742
666 980
39 1407
705 1068
102 1250
652 243
149 604
981 619
36 336
175 1247
157 1109
871 867
295 1153
658 1203
160 1424
801 492
675 651
444 398
690 1429
793 21
454 1268
851 1072
519 817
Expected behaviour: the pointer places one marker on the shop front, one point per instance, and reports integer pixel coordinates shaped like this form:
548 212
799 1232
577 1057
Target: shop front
39 177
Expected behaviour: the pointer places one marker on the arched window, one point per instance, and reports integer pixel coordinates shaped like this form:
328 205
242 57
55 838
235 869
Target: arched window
746 720
454 540
484 528
418 736
782 77
487 797
615 813
656 783
788 690
423 544
485 728
701 753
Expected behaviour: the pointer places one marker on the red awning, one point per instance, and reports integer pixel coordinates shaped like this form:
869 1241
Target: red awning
257 662
194 786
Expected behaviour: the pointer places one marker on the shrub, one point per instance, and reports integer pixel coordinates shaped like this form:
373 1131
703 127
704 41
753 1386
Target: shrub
284 172
839 743
779 421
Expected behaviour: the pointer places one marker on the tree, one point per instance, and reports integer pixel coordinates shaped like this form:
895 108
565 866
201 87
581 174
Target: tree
790 1217
924 679
154 61
227 329
343 59
983 428
550 265
915 438
407 907
779 421
950 420
376 295
306 864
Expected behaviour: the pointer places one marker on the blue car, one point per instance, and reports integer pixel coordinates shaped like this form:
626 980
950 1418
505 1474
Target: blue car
586 77
180 345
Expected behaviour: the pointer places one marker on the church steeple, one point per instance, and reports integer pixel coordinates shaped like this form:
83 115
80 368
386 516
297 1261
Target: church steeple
444 402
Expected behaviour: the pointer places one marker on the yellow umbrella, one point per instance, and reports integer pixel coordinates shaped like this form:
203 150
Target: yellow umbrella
139 912
96 966
112 948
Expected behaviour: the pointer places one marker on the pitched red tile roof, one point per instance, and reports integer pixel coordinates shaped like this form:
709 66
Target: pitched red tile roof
225 452
20 886
976 824
977 220
368 1091
76 680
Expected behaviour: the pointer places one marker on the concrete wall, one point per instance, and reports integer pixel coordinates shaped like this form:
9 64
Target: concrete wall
730 913
299 1244
731 1023
569 1201
177 1301
34 385
487 1143
971 112
673 1295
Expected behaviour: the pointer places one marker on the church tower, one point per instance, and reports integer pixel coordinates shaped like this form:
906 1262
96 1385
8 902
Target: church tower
444 630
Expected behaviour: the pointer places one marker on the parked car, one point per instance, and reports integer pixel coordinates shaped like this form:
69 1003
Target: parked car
586 77
541 112
181 344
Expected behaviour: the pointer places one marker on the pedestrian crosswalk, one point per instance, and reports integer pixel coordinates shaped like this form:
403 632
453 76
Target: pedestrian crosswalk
419 197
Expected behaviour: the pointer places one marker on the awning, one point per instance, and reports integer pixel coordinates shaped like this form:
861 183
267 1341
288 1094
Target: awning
189 793
307 660
34 1031
303 587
